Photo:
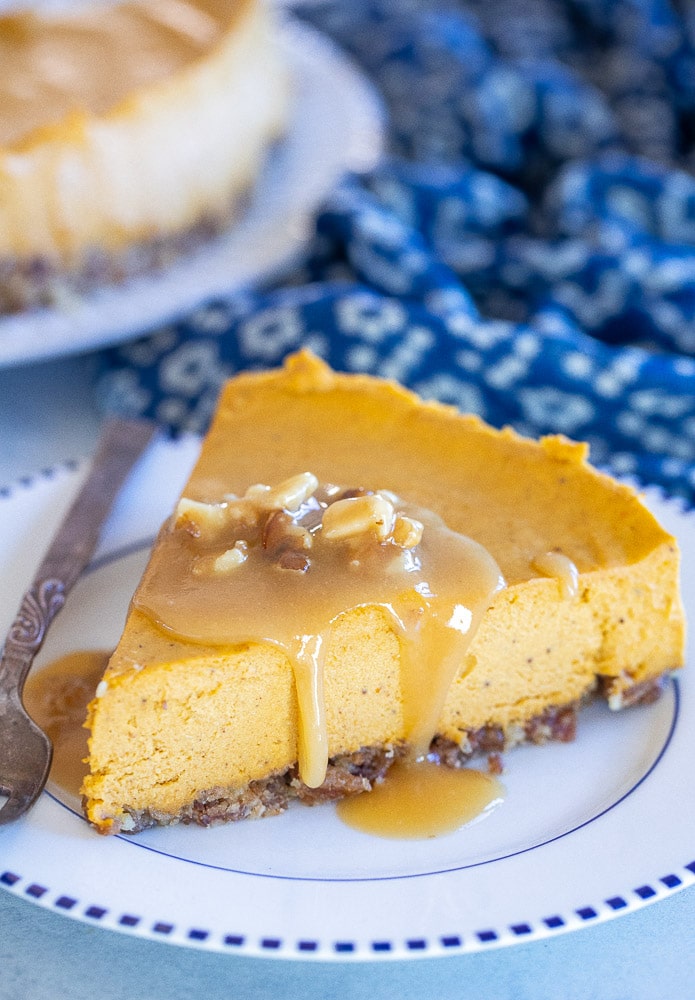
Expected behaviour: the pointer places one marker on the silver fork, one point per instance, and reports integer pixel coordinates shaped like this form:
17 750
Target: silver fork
25 750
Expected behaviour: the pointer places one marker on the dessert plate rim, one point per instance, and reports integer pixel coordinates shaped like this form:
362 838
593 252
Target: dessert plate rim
588 873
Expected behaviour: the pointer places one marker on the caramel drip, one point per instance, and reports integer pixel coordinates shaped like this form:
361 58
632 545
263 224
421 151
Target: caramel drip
434 594
88 59
307 666
559 567
430 660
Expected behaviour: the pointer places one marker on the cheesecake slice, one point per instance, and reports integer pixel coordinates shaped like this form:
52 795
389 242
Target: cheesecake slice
353 574
129 132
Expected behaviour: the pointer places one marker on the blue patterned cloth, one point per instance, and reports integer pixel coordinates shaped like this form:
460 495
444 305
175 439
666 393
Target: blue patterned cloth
525 251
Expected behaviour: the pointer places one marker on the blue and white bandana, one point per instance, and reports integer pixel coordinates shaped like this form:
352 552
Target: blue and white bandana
526 249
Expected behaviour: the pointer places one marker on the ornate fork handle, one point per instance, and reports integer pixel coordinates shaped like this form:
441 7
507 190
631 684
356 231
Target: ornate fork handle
39 606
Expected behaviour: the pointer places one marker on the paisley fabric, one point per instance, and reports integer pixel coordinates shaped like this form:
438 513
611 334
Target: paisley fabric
526 249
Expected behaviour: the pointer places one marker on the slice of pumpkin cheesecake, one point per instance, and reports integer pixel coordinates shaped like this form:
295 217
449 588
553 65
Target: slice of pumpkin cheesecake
353 575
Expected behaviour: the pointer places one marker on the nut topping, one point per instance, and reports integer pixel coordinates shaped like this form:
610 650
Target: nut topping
281 532
288 495
407 531
224 563
284 524
293 559
200 518
232 558
371 514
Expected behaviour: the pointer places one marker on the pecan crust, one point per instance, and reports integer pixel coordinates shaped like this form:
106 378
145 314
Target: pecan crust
350 774
347 774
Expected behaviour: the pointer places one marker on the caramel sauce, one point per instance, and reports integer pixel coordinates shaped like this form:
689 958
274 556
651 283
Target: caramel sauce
420 800
89 58
435 595
56 697
561 568
435 592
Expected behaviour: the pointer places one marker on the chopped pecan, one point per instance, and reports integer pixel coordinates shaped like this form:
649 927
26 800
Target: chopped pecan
293 559
282 532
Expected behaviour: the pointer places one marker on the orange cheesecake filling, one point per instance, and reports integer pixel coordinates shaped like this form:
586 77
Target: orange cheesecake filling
303 620
280 565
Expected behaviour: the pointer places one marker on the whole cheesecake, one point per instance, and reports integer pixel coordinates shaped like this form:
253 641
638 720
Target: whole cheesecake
352 573
129 132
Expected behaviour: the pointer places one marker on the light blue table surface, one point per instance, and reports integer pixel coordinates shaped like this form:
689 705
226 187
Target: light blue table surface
46 416
647 955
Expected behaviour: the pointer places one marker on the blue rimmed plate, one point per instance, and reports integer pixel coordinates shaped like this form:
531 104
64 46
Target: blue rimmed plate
588 831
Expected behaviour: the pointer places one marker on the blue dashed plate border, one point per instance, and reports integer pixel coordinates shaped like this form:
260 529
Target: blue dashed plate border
634 850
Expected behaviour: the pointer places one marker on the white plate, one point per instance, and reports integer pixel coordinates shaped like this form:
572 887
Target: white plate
336 126
588 830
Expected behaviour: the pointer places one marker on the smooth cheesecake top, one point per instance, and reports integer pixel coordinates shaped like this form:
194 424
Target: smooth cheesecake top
517 497
89 58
